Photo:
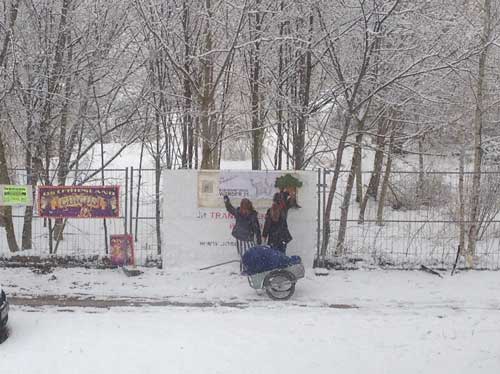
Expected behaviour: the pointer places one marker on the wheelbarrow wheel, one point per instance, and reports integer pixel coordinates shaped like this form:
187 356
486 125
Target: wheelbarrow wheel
280 285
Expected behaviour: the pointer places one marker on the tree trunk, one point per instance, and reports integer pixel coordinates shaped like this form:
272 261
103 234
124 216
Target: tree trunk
187 120
138 196
344 209
278 155
421 172
197 143
103 178
385 183
305 73
362 209
478 130
32 179
359 174
278 158
208 159
45 142
158 205
255 83
373 185
7 210
333 186
461 193
257 131
65 151
14 7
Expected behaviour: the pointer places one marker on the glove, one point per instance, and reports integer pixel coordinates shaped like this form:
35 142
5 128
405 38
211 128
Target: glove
226 198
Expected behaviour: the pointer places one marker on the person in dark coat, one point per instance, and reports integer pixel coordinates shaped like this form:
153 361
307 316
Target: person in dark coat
276 227
246 230
285 201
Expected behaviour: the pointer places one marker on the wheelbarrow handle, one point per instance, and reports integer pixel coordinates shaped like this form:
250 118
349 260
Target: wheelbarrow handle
223 263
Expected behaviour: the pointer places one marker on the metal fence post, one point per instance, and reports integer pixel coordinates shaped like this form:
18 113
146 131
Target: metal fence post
318 227
325 172
126 202
131 217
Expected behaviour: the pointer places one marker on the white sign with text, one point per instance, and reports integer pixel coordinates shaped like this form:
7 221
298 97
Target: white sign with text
197 232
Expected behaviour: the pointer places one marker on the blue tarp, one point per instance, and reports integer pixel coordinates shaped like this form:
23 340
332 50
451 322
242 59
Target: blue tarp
263 258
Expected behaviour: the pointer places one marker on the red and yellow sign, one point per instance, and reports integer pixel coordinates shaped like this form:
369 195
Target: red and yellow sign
122 250
79 201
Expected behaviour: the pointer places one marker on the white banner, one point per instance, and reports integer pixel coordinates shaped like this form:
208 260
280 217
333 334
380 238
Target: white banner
256 186
197 232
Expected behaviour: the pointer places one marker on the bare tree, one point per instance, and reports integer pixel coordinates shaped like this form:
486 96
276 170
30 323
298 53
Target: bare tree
6 212
478 129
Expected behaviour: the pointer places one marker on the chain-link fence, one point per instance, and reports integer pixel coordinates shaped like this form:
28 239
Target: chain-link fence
88 239
418 222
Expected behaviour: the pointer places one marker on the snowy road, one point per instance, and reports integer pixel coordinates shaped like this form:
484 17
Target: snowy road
82 321
253 340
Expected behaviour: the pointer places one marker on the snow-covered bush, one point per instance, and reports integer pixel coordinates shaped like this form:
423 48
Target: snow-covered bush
489 202
411 192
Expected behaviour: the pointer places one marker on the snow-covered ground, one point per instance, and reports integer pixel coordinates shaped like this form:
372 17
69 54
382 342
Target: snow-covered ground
346 322
377 288
256 340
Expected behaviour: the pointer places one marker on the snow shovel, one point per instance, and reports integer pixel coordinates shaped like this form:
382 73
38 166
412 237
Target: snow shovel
131 272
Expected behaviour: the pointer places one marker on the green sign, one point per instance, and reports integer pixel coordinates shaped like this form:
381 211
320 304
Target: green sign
15 195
